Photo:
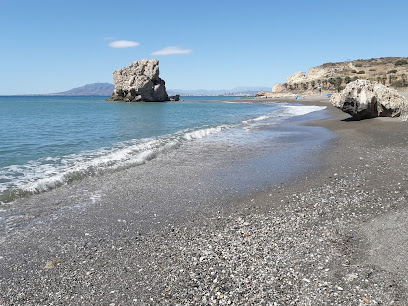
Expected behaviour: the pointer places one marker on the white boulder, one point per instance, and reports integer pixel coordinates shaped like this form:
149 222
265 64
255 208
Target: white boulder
364 99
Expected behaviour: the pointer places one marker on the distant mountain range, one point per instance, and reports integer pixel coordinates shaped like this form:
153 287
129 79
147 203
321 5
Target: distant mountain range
106 89
205 92
95 89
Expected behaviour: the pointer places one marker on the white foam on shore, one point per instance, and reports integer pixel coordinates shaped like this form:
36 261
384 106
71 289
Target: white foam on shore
287 111
50 172
47 173
299 110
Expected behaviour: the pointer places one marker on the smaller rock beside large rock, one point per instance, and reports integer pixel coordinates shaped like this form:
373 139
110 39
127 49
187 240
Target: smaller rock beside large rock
363 99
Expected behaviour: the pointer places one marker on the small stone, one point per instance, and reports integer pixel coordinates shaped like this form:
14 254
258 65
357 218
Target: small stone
53 264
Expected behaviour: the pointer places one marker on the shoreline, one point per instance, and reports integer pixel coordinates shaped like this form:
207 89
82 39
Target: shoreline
311 241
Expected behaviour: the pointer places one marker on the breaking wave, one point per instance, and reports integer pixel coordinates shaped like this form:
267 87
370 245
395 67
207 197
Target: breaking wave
50 172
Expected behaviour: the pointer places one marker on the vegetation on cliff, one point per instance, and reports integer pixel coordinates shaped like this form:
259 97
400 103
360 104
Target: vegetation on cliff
389 71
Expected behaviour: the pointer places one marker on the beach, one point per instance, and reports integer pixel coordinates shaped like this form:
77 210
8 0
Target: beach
331 232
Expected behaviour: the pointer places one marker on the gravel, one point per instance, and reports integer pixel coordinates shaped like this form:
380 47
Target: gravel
309 242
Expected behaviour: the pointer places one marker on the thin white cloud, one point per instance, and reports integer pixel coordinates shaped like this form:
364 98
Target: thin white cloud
172 50
108 38
123 44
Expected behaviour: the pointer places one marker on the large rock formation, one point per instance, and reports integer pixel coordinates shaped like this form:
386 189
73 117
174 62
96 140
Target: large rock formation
364 99
139 82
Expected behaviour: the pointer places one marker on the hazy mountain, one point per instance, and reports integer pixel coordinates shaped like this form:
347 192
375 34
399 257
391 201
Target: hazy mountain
244 90
106 89
95 89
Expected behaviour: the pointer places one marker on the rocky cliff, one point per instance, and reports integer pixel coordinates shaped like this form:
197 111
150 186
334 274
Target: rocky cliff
389 71
139 82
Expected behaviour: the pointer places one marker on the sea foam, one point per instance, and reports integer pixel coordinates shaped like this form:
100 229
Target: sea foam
286 111
50 172
41 175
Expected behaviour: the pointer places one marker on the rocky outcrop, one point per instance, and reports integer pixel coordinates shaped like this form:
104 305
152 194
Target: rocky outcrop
174 98
278 88
390 71
139 82
298 77
364 99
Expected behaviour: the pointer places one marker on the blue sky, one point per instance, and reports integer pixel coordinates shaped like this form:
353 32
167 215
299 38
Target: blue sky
50 46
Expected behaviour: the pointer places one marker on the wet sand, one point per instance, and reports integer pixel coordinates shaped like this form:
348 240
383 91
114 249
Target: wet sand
333 234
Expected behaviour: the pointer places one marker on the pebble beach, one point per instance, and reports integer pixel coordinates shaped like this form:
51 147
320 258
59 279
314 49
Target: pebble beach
333 235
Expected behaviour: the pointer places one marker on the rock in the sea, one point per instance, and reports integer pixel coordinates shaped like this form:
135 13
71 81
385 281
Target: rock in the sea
364 99
139 82
174 98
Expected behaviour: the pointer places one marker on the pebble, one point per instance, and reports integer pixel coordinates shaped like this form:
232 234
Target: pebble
299 253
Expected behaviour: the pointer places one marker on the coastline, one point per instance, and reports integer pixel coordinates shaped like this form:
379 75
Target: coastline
314 240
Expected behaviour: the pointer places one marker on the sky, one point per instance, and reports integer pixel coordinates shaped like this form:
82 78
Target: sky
52 46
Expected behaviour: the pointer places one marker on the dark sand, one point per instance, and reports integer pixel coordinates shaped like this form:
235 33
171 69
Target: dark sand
333 234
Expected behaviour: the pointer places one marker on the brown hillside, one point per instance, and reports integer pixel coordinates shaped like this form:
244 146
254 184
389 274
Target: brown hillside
390 71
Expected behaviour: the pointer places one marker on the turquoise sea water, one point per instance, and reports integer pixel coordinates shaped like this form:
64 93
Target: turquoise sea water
49 141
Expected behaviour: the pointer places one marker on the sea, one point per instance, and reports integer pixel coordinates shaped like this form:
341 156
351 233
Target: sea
50 141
